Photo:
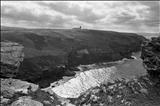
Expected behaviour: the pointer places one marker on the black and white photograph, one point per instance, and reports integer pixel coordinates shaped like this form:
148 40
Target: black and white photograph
80 53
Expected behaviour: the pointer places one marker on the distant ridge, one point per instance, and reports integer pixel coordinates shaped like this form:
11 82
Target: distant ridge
149 35
4 28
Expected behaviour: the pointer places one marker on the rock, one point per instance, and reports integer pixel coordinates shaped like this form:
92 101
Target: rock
10 86
11 57
94 98
66 102
84 81
46 102
109 98
26 101
151 56
144 91
4 100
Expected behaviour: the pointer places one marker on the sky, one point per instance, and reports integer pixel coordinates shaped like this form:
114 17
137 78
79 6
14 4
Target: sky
123 16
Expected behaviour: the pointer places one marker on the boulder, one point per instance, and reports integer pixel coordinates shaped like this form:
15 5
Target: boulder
4 100
11 57
26 101
11 86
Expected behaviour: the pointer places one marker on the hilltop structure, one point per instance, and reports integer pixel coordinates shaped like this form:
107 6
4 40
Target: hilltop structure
79 28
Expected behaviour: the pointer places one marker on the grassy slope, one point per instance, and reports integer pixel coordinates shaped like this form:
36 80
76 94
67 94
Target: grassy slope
60 41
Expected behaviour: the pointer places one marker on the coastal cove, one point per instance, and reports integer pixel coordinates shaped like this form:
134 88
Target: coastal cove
80 53
94 75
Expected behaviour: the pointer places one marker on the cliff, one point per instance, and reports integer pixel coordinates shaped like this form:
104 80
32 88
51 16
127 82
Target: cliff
151 56
55 50
11 57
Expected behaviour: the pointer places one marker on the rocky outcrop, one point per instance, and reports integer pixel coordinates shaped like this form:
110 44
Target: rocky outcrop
135 92
11 57
11 86
84 81
15 92
151 56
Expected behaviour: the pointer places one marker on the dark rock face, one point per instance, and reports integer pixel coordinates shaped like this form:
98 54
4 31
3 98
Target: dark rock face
11 57
42 70
151 56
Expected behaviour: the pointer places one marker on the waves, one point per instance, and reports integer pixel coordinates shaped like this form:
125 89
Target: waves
96 74
84 81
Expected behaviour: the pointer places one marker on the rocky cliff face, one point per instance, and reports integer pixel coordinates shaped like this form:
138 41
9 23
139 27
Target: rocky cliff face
14 65
11 57
151 56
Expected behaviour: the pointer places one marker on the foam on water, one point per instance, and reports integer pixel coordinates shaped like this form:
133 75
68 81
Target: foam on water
84 81
95 74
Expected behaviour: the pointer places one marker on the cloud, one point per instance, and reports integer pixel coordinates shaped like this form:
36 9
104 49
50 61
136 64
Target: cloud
25 15
153 19
82 14
138 16
134 16
29 18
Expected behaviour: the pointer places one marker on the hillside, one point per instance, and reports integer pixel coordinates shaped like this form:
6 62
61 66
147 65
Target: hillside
47 49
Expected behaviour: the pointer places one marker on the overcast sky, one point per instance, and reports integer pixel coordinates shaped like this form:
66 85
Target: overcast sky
130 16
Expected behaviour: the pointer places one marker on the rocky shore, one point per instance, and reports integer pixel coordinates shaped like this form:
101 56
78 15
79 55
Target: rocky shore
141 91
144 90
